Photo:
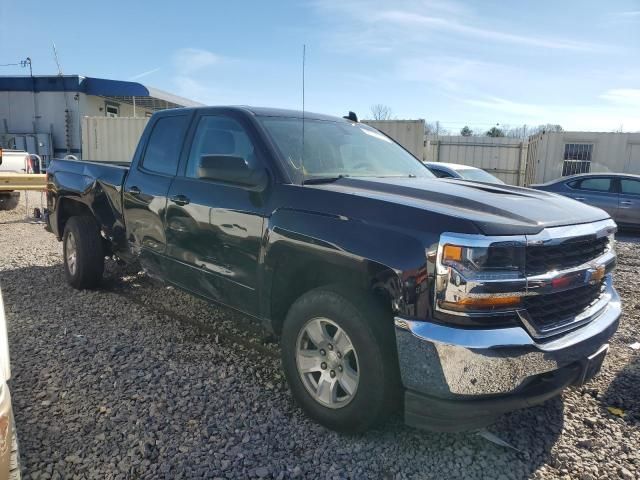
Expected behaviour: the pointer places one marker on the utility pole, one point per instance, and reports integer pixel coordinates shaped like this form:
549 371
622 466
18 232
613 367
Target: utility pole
24 63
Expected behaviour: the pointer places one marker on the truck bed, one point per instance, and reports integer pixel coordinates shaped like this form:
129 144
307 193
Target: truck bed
97 185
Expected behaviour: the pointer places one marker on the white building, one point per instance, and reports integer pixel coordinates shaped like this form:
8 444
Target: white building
42 114
555 154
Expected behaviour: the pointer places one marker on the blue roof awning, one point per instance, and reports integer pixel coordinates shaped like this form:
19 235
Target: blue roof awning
91 86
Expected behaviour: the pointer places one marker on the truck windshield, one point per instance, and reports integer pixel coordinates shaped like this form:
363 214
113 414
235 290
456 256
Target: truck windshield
339 149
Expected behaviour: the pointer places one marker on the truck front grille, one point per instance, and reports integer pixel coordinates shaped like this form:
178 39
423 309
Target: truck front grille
568 254
557 308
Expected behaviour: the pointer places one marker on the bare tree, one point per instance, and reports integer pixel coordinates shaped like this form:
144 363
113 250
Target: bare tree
381 112
435 128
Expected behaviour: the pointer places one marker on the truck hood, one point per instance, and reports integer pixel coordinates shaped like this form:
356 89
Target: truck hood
493 209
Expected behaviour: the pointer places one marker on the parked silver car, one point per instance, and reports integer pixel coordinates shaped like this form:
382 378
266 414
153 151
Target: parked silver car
462 172
616 193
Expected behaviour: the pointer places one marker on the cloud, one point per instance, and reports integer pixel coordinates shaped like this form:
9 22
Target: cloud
144 74
191 60
623 96
410 19
377 29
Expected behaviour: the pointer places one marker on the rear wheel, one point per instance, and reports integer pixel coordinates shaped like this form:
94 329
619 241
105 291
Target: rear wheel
338 353
83 253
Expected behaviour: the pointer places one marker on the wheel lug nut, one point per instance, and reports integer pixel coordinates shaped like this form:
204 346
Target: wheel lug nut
332 373
330 347
339 355
340 367
322 352
323 366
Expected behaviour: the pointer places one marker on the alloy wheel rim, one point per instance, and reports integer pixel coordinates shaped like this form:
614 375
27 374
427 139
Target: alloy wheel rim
71 253
327 363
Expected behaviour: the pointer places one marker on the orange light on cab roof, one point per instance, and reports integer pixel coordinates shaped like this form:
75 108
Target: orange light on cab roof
452 252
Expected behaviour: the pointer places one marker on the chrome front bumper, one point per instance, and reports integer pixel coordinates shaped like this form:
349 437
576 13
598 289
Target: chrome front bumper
456 363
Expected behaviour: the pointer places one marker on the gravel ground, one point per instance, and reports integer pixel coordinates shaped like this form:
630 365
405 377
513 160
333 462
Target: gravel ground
142 381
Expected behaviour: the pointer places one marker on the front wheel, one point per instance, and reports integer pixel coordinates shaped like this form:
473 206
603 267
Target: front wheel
83 253
338 354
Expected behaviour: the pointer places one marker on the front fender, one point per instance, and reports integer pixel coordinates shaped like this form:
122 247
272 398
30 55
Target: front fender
385 260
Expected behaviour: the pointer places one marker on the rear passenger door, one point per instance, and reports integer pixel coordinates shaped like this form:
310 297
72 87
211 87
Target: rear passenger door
629 202
147 185
597 191
214 229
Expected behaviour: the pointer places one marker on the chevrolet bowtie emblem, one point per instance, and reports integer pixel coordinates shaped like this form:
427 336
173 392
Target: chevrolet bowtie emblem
597 275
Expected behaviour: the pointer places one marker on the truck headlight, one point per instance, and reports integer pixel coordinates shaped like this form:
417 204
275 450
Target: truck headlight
479 276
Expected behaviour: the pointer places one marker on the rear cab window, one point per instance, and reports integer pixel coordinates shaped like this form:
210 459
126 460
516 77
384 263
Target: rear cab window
164 145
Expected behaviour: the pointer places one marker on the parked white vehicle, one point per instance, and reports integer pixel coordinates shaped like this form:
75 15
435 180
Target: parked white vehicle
9 457
12 161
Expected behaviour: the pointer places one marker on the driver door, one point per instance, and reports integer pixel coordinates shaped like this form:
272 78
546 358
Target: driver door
214 229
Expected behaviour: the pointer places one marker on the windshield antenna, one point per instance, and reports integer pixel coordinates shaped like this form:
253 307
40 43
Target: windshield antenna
304 54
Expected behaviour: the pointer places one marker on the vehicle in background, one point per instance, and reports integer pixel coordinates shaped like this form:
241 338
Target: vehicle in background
12 161
385 284
463 172
616 193
9 456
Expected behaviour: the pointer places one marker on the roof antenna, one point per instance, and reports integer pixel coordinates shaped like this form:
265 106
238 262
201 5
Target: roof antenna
55 56
304 54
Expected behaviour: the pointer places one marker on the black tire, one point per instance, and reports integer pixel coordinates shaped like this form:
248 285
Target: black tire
9 200
370 328
89 259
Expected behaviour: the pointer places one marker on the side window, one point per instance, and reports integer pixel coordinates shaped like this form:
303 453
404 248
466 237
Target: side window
630 187
218 135
441 174
595 184
165 142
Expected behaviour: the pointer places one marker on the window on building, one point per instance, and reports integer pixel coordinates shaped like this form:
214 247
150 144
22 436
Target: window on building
112 110
165 142
577 158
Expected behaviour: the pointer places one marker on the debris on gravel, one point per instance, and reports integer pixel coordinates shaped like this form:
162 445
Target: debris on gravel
137 380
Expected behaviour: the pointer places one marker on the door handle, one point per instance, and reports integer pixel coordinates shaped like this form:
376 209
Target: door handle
134 190
580 199
626 202
179 199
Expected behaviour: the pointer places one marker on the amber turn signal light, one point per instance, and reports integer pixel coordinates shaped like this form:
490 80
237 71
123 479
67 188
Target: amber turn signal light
452 253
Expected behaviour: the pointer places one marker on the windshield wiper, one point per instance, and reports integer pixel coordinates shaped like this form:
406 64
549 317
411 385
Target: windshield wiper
319 180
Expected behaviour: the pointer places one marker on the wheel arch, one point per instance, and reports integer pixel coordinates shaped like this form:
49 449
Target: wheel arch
327 250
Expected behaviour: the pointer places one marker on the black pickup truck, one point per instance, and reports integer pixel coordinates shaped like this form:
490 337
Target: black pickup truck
387 287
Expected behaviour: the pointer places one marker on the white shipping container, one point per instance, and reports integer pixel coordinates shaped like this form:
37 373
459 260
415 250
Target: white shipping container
107 139
408 133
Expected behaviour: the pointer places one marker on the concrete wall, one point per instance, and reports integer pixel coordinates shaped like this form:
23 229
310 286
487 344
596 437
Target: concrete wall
612 152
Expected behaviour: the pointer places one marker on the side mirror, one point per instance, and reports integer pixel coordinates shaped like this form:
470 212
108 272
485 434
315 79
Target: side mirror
231 169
